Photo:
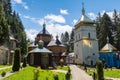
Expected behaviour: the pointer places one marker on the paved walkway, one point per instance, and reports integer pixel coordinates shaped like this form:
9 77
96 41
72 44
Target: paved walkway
7 74
79 74
112 78
5 67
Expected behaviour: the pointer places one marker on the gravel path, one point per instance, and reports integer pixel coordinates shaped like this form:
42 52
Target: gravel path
79 74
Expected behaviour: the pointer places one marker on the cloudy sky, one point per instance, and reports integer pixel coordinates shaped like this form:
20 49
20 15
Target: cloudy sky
59 15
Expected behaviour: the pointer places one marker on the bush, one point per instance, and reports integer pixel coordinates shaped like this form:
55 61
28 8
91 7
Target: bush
3 73
36 73
24 62
55 75
68 74
69 70
99 67
16 62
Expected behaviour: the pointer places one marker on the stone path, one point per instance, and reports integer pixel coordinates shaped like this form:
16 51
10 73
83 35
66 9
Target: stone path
7 74
5 67
112 79
79 74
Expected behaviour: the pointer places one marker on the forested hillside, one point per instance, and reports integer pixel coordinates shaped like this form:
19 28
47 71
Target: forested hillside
11 25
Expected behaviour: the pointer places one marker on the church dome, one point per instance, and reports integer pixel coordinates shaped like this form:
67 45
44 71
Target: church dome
84 20
44 31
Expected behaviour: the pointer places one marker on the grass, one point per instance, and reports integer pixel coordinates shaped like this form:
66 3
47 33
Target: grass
28 74
6 70
114 73
2 66
63 68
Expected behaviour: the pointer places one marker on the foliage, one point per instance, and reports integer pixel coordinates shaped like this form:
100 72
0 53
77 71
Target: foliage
110 27
68 74
66 68
36 73
11 24
4 28
55 75
3 73
24 62
6 70
66 40
28 74
16 63
99 68
114 73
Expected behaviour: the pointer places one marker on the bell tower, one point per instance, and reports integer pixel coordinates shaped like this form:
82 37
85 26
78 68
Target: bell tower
86 43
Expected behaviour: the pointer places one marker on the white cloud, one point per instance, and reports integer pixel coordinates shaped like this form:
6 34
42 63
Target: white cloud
31 33
55 18
54 25
22 3
63 11
58 29
28 17
110 13
74 21
92 15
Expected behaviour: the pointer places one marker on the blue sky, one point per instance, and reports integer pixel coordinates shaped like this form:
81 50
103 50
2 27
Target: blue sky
59 15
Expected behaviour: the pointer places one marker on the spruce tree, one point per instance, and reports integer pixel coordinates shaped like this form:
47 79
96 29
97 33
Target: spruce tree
4 33
105 30
16 63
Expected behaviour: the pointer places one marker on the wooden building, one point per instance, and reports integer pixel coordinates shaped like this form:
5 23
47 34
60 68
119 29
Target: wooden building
55 46
40 56
58 49
43 35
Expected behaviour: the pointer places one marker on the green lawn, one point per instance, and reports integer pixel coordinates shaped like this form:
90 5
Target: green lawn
114 73
6 70
63 68
2 66
28 74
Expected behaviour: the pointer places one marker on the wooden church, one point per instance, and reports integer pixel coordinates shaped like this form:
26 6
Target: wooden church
50 54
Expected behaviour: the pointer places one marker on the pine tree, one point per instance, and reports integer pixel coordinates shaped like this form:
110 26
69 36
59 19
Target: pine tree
72 41
105 30
4 33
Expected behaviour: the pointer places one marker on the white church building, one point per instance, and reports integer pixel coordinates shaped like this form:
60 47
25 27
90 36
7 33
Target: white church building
85 41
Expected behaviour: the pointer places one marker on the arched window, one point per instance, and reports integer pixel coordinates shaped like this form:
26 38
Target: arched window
88 35
79 36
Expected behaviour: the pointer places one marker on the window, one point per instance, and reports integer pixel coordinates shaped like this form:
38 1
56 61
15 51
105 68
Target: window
79 36
88 35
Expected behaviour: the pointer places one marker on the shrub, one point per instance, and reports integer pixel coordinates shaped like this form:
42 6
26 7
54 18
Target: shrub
3 73
24 62
36 73
16 62
69 70
55 75
99 67
68 74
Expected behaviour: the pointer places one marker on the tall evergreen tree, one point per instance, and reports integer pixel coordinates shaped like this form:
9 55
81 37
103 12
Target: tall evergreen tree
4 33
106 30
66 37
117 37
72 41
